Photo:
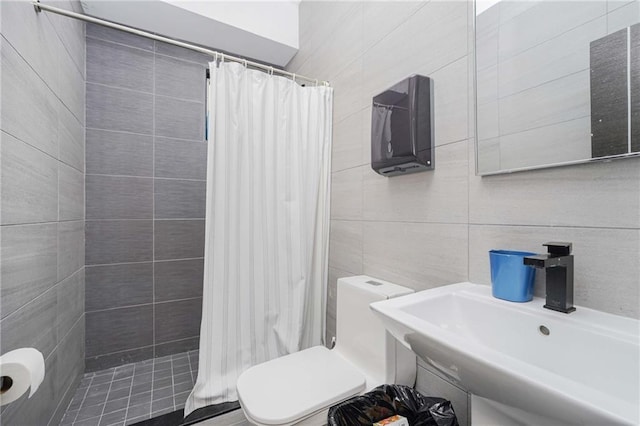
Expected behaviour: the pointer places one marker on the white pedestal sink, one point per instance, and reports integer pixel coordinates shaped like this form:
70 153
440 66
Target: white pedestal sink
521 361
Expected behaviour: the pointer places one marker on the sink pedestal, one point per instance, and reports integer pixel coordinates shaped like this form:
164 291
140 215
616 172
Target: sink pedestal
485 412
555 368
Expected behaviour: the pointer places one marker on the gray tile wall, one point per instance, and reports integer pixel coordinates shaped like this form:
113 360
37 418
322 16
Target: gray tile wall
42 147
435 228
145 198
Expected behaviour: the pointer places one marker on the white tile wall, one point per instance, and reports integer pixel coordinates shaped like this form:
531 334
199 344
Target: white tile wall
346 194
606 261
345 246
432 38
450 102
348 146
435 228
414 213
591 195
439 196
415 254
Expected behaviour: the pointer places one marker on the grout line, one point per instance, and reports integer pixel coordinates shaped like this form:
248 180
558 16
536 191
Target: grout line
173 384
119 220
554 226
126 414
122 307
82 402
42 223
39 77
125 132
154 51
472 117
81 317
142 220
117 264
153 229
144 261
117 352
368 163
189 61
146 177
603 228
141 92
201 103
193 379
118 43
113 375
178 260
41 295
536 86
629 89
153 269
147 304
477 140
71 388
63 44
39 149
553 39
178 300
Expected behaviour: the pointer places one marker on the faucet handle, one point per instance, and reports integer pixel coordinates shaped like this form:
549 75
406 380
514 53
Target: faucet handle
556 249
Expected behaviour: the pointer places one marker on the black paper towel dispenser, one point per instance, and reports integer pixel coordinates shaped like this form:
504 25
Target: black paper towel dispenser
402 128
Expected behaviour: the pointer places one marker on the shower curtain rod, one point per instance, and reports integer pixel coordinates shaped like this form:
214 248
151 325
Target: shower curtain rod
216 55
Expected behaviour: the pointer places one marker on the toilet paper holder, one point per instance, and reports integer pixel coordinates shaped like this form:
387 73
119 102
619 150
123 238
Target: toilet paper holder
22 371
5 383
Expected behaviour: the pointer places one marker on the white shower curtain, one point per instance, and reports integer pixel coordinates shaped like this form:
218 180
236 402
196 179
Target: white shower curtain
267 225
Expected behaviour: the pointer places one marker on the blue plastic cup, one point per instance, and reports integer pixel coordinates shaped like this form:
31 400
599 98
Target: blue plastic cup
511 279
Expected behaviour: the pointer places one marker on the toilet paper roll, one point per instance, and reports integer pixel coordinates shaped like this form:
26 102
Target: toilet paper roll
20 370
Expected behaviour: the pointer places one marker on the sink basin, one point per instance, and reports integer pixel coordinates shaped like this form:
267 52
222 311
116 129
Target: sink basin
578 368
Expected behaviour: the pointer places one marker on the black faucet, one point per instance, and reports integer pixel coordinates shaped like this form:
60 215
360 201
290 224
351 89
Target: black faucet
558 267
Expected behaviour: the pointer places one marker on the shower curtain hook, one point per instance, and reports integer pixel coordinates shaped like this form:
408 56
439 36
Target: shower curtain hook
245 63
294 77
221 57
271 70
316 82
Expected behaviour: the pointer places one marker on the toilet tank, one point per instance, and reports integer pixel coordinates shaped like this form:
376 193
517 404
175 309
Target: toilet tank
361 337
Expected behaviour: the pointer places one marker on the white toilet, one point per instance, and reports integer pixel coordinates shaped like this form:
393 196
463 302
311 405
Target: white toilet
299 388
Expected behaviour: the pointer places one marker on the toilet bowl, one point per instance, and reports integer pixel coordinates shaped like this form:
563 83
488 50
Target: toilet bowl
299 389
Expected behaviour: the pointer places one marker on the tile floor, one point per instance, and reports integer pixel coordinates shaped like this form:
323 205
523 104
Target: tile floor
132 393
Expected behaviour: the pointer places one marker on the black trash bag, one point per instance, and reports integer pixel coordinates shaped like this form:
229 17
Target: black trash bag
389 400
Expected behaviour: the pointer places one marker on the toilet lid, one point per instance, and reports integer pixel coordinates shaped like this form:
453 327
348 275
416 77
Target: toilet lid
294 386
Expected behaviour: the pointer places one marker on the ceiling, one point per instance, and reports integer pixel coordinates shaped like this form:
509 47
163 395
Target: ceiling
264 31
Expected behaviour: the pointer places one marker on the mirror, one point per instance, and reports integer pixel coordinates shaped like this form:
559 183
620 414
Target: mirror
557 83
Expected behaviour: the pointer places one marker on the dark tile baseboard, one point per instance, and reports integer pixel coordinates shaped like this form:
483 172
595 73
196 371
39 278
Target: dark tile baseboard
176 418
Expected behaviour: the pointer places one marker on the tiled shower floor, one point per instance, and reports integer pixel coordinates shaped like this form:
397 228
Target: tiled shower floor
134 392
